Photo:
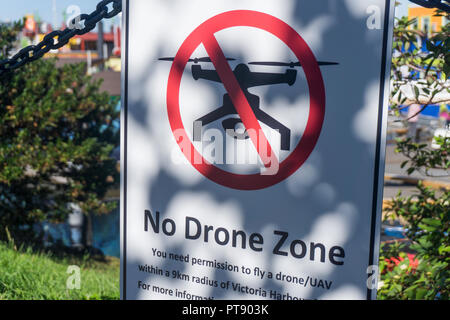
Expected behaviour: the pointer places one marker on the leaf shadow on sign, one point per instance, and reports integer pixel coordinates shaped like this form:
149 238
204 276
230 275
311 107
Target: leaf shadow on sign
261 211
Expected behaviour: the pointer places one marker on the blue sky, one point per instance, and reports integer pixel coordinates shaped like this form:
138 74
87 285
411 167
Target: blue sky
402 10
15 9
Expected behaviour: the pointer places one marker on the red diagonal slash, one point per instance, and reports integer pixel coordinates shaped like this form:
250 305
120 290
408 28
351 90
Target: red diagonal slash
239 100
204 34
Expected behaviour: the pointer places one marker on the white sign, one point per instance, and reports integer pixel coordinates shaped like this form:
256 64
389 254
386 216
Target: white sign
253 137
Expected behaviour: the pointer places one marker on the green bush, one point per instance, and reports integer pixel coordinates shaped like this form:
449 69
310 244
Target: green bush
420 267
427 275
57 134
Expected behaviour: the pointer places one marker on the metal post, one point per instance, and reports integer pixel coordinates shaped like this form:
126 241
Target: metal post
55 19
100 42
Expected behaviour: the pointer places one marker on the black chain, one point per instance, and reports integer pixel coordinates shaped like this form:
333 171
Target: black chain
443 5
59 38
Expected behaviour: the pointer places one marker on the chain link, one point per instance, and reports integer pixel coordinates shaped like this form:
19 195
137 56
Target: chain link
59 38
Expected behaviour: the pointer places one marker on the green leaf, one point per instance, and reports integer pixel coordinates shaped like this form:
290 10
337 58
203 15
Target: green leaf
444 249
404 163
416 92
420 293
432 222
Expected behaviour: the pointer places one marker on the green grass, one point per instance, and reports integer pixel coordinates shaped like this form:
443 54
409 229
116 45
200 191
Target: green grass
27 275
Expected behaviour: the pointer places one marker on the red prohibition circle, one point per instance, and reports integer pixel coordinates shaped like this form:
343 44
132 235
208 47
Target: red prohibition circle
277 27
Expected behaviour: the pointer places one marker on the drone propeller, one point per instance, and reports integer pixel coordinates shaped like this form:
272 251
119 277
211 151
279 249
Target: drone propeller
290 64
195 60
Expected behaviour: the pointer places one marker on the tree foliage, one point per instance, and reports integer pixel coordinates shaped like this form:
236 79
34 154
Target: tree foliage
8 37
424 273
422 158
57 134
427 275
419 77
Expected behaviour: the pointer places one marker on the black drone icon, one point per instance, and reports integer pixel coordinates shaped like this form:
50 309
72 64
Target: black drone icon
246 79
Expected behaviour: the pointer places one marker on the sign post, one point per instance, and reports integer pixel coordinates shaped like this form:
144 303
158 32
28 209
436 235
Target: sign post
253 139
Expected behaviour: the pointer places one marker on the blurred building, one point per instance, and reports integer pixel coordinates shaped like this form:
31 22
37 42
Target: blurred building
88 42
427 20
81 48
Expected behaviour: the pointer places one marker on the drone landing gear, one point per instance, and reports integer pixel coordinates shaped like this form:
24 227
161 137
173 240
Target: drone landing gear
207 119
285 132
229 124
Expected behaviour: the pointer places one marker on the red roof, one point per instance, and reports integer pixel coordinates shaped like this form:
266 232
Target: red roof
93 36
